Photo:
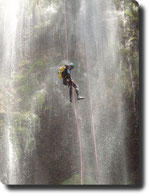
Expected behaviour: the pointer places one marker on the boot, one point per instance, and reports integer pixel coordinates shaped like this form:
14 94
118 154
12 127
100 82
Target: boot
79 98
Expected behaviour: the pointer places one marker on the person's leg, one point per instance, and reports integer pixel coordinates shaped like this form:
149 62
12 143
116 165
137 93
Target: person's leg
76 88
64 82
77 91
70 93
73 85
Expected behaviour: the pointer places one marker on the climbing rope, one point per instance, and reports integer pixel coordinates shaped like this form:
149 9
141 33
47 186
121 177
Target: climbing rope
74 102
92 119
66 32
79 136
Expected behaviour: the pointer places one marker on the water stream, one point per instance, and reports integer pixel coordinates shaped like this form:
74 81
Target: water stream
40 128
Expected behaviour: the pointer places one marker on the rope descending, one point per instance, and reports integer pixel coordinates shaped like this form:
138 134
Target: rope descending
74 102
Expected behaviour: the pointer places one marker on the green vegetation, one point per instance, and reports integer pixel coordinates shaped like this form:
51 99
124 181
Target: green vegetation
41 117
129 48
75 180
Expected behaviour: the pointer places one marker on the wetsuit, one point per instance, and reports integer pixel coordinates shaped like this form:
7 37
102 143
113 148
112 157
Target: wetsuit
69 82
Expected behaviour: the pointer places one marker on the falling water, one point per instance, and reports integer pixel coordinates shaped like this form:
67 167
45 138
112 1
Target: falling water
10 22
133 86
100 39
129 61
40 123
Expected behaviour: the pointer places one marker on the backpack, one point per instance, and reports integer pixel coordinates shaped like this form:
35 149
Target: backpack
61 70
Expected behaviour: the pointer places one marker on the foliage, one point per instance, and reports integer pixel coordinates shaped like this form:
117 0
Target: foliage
129 48
76 180
41 117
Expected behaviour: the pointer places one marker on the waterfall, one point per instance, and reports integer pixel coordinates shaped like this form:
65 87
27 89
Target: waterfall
101 42
10 24
39 126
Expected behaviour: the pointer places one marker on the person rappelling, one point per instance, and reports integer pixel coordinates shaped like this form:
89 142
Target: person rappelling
65 74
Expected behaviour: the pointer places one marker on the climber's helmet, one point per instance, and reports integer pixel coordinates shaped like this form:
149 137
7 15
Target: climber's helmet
71 65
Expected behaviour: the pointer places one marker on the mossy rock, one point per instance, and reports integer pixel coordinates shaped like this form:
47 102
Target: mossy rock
39 98
76 180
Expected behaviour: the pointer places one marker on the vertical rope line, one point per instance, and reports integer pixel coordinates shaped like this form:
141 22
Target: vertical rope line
66 32
74 102
79 136
92 119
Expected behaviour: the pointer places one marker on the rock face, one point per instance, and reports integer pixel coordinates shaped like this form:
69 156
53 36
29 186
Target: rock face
39 139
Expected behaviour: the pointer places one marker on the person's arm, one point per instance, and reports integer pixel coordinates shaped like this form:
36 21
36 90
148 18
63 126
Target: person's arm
69 73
